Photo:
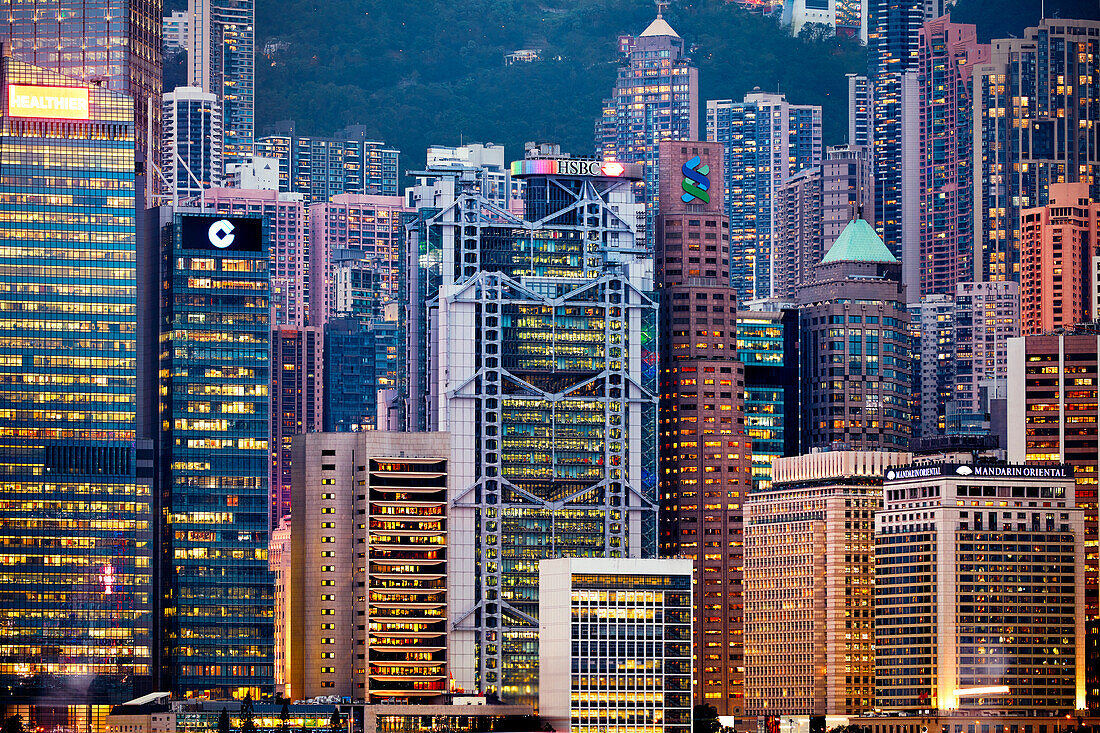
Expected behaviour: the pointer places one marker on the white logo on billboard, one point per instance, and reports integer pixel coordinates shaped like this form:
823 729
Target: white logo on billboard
221 233
964 470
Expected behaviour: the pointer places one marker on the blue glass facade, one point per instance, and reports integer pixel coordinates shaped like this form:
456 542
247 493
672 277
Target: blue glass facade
218 594
75 536
767 344
360 359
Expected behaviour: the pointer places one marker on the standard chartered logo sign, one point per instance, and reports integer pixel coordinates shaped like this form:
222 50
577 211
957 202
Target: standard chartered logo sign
221 233
695 183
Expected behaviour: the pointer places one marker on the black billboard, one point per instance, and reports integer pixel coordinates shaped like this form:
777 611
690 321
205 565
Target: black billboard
222 233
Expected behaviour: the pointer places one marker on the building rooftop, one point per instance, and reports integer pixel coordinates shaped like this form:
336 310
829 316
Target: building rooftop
659 27
858 243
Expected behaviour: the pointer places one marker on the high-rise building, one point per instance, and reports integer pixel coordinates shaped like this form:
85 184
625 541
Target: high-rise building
943 254
191 143
952 634
221 60
77 505
285 230
368 607
855 344
656 97
932 328
847 18
174 32
812 208
116 43
361 358
767 346
987 315
355 244
893 41
1059 246
705 456
257 174
1022 149
643 681
1052 419
861 112
488 161
322 167
278 561
297 399
765 140
210 337
809 584
542 360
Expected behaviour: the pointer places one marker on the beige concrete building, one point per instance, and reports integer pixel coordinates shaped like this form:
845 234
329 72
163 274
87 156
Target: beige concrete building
367 587
809 580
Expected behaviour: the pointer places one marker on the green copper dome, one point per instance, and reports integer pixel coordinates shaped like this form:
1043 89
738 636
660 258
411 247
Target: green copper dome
858 243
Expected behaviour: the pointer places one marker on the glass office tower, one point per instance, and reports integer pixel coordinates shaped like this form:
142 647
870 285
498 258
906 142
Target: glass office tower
74 519
116 42
542 364
217 625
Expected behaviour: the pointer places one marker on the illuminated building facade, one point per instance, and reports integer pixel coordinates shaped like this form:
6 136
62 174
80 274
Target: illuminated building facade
809 584
542 360
855 343
322 167
979 590
211 323
354 252
93 41
191 143
812 208
987 315
640 683
1056 423
76 510
369 558
932 328
861 112
297 400
656 97
892 43
947 53
1024 148
285 233
361 358
705 457
765 140
767 347
1059 246
221 60
846 18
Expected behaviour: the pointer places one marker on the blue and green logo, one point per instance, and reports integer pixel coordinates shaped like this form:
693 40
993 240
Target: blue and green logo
695 183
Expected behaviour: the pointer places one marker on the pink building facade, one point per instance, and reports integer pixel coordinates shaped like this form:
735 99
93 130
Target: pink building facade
1058 250
353 231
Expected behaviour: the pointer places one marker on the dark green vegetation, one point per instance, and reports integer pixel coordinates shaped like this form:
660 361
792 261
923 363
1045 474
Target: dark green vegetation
432 71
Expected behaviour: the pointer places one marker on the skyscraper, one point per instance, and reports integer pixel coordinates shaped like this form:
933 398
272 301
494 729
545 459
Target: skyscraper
766 140
1055 422
944 255
656 97
705 456
221 60
950 635
210 325
297 401
542 361
861 111
892 43
1059 246
809 584
856 365
95 41
1024 148
191 143
847 18
322 167
76 512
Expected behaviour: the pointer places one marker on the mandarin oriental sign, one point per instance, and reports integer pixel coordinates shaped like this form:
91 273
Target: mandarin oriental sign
66 103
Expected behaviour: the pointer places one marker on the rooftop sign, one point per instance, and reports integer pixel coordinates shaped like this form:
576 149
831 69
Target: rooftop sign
65 103
575 167
977 470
